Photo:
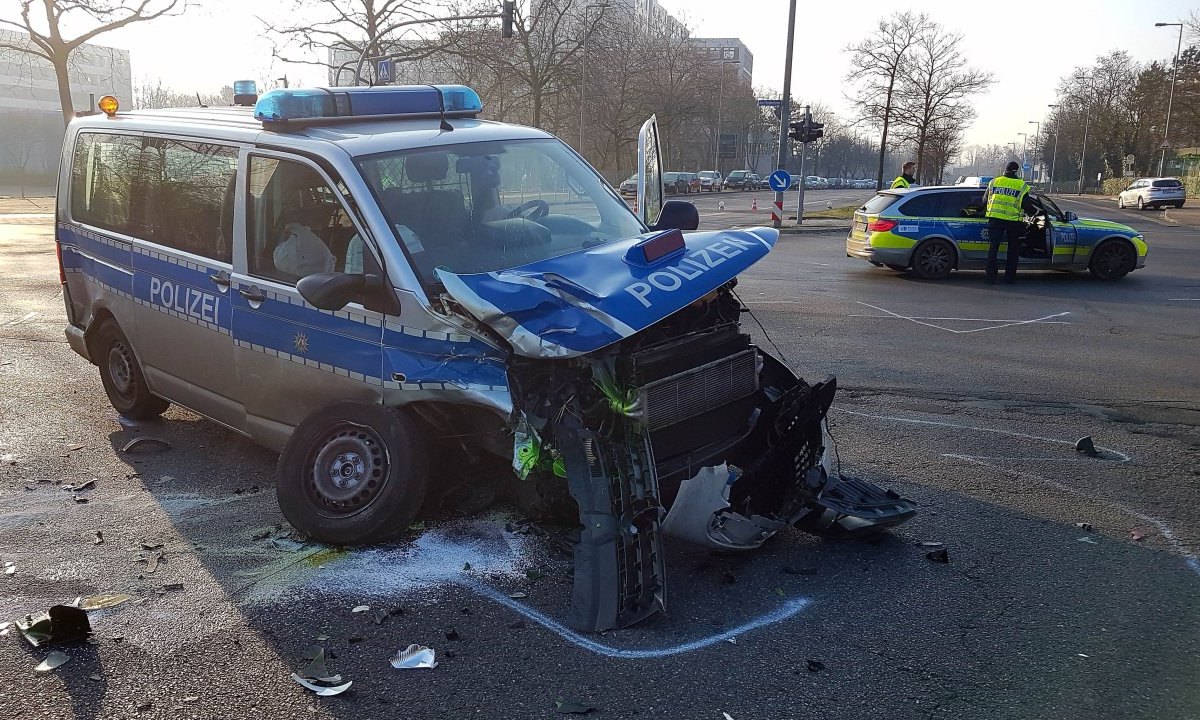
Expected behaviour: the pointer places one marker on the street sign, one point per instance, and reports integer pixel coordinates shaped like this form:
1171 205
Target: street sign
770 103
780 180
386 71
727 145
1026 167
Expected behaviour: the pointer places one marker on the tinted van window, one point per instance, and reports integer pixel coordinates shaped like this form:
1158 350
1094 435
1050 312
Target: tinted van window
190 191
103 175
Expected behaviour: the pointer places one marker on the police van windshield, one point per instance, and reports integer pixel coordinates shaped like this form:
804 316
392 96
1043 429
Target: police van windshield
486 206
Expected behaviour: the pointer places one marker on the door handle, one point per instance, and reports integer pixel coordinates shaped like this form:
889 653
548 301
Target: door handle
252 294
221 278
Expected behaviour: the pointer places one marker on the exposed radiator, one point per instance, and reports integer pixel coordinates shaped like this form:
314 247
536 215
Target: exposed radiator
698 390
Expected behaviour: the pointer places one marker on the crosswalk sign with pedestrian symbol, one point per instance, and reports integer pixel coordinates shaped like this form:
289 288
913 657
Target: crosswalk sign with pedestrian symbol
386 71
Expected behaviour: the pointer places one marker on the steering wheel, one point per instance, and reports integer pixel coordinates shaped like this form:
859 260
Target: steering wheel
531 210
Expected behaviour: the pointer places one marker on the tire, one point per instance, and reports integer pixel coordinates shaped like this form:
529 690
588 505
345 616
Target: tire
1179 204
897 268
1113 259
122 376
1120 203
933 259
1140 204
375 451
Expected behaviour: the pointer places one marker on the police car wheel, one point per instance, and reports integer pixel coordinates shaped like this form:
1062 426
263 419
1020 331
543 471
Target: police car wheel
934 259
1113 260
122 377
353 474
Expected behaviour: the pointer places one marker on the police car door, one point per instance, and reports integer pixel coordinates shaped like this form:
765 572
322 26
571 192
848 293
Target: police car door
963 211
1064 239
182 265
292 357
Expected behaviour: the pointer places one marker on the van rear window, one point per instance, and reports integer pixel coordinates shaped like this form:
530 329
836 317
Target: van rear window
879 203
1172 183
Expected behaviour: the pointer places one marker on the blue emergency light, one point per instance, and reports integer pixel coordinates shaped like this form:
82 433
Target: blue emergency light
316 105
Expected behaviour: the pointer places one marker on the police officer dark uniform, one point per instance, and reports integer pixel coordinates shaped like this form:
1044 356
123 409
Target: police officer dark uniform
1003 200
905 178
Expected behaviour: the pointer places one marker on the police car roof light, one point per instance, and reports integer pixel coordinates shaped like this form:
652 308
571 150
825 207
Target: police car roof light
319 105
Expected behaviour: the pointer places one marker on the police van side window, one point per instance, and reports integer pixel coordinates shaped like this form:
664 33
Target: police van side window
190 191
296 225
103 175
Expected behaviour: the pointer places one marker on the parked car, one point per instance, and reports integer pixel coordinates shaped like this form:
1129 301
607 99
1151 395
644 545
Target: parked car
752 181
736 180
693 179
710 180
934 230
764 182
629 185
1152 192
674 183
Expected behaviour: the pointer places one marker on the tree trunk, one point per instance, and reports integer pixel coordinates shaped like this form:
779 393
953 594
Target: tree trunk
887 116
64 85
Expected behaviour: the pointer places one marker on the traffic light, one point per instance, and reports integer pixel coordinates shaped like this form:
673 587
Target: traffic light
806 130
507 8
798 130
815 131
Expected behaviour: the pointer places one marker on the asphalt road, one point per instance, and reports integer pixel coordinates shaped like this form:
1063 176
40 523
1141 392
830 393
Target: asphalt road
966 398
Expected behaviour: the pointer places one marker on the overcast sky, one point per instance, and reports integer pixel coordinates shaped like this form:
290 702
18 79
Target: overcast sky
1026 46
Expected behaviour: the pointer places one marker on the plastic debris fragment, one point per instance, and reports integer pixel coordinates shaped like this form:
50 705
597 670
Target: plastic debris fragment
62 623
10 567
99 538
1086 446
323 690
572 707
100 602
1087 527
146 442
316 676
939 555
415 657
1137 534
53 660
361 608
815 666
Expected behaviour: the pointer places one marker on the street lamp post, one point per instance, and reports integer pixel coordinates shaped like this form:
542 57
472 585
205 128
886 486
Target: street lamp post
1170 98
583 68
1024 138
1054 157
720 110
1037 132
1086 123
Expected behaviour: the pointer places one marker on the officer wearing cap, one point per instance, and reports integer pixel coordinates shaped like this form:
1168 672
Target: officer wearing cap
1004 200
905 178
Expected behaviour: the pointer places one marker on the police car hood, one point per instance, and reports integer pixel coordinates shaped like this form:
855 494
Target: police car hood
577 303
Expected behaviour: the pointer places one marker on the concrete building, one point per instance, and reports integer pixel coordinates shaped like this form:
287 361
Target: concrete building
28 83
732 51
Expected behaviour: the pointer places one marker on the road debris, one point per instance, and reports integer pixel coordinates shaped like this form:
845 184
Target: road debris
5 627
127 423
939 555
518 595
316 677
815 666
79 499
415 657
102 602
572 707
452 634
1086 446
99 538
1137 534
62 623
1086 527
146 443
53 660
10 568
88 485
153 558
361 608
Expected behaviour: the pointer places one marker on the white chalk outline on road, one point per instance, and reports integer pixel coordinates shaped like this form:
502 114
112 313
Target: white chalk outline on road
1189 558
785 611
1047 320
1183 299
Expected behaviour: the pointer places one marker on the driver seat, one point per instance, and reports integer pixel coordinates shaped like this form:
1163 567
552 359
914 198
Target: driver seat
437 216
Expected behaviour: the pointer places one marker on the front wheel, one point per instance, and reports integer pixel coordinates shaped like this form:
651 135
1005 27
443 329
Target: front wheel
933 260
352 474
1113 260
122 376
1141 205
1120 202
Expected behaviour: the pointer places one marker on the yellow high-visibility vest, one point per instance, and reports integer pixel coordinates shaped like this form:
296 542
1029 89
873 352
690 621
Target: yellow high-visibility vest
1004 197
899 182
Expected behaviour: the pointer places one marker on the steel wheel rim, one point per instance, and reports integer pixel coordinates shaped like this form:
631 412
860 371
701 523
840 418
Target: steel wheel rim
935 259
348 468
120 369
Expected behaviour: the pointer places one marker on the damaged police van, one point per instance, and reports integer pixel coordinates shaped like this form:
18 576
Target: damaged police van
378 284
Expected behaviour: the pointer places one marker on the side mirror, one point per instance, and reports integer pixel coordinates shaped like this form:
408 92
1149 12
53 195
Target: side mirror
1070 216
332 290
677 215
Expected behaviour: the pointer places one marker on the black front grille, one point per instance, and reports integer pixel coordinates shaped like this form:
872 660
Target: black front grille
695 391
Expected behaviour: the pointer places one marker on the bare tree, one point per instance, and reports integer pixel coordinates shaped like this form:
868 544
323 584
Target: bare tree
153 95
877 64
44 21
934 92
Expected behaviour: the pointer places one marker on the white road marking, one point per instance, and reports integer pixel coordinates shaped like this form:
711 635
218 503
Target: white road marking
1184 299
1004 324
1189 558
921 317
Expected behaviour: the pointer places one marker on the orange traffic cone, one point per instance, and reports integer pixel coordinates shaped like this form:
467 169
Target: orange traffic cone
754 204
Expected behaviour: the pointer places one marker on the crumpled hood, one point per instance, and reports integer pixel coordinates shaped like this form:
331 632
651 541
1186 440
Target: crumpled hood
577 303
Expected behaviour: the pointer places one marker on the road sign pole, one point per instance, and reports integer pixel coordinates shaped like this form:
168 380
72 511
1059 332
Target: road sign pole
803 152
785 107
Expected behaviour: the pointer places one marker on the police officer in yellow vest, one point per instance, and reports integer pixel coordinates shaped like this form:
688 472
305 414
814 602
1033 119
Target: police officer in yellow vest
1004 202
905 178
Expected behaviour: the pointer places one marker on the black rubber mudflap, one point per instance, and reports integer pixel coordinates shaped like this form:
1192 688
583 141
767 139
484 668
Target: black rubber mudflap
850 508
620 575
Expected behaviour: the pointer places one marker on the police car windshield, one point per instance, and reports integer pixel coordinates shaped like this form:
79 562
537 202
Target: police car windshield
486 206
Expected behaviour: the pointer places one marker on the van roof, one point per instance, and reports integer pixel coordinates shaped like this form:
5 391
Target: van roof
238 124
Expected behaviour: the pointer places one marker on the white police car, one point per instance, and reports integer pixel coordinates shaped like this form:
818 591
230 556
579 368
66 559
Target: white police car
376 282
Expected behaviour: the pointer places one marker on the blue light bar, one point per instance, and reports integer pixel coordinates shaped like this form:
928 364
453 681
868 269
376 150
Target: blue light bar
310 105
